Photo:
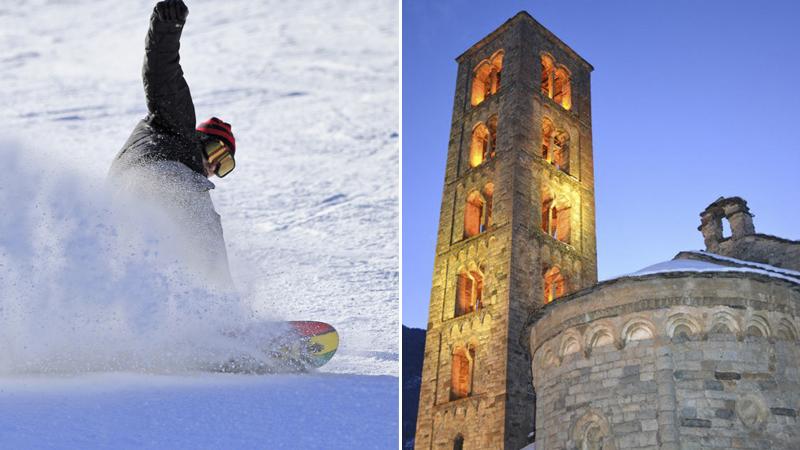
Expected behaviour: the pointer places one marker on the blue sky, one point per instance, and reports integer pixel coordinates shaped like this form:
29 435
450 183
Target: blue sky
690 101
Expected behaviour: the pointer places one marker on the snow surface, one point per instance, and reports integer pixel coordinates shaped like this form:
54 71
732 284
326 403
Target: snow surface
690 265
101 331
122 411
767 267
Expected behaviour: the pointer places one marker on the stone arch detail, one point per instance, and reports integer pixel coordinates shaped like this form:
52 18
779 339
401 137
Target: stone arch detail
598 335
786 330
570 343
549 358
637 329
757 325
724 320
681 321
591 432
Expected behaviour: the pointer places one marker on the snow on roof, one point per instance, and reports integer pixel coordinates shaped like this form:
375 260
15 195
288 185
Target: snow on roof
780 270
692 265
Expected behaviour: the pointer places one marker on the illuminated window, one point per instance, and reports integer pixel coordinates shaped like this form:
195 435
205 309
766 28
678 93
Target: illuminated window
484 141
554 284
562 91
480 145
487 77
473 214
478 211
556 220
461 377
555 82
469 292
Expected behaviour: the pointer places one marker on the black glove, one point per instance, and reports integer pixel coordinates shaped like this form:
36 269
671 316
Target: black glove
172 11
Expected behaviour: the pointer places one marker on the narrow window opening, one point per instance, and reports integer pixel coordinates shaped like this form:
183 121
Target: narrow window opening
469 292
479 147
458 443
464 288
554 284
562 91
556 220
461 375
473 215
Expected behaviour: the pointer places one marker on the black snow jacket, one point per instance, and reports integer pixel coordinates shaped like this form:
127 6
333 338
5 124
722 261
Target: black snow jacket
168 132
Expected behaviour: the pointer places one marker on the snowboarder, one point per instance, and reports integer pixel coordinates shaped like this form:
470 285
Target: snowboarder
167 162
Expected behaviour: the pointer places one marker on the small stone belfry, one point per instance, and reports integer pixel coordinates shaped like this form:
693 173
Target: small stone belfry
516 231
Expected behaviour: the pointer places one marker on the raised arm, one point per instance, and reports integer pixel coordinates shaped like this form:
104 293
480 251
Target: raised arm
168 98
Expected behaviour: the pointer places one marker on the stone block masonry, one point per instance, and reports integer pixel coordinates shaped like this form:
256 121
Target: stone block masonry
666 362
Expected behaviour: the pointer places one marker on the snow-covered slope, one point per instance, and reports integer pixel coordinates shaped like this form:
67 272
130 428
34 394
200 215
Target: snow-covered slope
123 411
310 214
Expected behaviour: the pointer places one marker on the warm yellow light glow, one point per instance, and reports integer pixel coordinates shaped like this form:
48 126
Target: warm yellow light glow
486 78
479 145
475 159
566 102
554 284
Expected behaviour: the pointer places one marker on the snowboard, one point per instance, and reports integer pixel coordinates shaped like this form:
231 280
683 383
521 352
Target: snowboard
298 346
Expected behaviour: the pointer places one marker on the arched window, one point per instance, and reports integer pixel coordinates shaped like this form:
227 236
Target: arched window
473 214
479 147
556 220
486 78
469 292
555 82
562 91
478 211
554 284
484 141
458 443
547 76
461 377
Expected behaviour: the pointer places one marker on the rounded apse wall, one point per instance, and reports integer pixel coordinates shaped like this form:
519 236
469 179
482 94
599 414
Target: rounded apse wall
671 360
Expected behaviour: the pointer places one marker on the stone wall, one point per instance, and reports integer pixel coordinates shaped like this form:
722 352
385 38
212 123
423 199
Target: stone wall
669 361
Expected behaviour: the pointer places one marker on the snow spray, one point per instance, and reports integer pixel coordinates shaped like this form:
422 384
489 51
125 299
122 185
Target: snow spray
87 285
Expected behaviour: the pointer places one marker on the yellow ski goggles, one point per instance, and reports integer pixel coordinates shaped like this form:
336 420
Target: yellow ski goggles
218 152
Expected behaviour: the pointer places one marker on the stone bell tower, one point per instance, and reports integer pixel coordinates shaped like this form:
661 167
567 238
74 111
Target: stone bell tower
516 231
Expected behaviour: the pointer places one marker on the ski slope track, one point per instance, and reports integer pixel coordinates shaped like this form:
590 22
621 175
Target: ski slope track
104 338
